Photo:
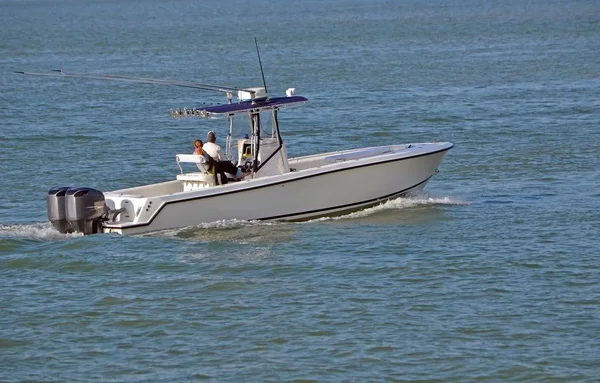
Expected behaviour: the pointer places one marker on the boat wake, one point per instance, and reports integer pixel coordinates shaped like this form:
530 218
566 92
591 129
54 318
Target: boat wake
401 203
39 231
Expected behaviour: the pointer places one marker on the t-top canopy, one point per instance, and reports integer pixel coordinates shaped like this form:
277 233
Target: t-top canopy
251 107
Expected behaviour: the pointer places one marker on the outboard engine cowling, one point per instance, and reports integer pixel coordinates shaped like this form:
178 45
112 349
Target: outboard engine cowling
56 209
85 209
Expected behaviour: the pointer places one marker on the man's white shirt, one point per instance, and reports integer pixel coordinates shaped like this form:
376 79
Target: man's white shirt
213 150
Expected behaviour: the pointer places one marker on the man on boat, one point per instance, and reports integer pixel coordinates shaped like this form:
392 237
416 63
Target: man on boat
215 152
212 148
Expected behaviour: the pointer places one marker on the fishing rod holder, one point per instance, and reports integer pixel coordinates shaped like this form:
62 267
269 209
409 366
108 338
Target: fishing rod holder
187 112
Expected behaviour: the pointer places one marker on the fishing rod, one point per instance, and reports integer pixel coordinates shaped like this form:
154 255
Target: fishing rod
141 80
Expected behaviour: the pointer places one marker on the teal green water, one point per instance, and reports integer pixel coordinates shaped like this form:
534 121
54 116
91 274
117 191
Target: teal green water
492 274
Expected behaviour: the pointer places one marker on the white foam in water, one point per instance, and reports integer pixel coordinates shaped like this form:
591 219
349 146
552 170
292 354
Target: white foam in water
399 204
42 230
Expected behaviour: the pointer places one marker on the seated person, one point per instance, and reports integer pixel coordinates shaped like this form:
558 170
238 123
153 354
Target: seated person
198 147
212 148
218 167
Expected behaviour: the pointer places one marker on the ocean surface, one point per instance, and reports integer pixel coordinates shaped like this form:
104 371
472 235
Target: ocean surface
492 274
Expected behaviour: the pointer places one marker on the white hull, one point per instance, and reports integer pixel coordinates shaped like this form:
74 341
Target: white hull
321 185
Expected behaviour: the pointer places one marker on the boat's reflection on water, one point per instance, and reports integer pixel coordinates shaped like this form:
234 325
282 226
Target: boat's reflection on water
235 231
248 241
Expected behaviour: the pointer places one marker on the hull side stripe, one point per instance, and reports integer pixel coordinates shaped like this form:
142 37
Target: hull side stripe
350 205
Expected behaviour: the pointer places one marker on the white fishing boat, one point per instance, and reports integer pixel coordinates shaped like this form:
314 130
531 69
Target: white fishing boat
276 188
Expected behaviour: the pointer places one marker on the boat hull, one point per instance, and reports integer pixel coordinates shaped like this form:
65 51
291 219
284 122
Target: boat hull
309 193
326 190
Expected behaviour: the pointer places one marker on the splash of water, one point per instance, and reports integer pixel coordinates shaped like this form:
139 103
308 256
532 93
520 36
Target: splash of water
39 231
398 204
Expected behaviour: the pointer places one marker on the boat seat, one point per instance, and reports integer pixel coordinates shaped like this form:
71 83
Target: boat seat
194 180
197 177
192 158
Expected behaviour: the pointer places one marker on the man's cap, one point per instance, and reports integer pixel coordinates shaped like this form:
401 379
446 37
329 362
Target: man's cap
211 136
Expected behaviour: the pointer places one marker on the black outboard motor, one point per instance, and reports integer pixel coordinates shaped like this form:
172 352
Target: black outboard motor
85 209
56 209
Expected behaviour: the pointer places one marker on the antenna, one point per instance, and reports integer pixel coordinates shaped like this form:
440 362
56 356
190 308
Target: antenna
261 67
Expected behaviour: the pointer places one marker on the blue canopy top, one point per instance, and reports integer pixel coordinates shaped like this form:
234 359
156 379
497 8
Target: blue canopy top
251 107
